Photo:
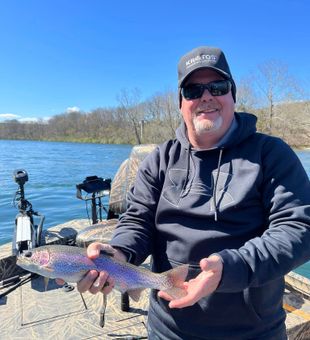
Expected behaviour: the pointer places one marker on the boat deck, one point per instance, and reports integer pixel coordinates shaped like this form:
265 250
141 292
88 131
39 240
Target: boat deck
30 312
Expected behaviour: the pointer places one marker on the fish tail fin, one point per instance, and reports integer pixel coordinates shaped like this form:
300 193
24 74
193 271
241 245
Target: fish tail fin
176 278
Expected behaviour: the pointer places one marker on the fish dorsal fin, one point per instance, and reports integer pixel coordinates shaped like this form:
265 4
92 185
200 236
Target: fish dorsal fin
135 293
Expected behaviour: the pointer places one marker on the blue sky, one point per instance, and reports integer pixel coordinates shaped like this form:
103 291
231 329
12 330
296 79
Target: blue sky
60 54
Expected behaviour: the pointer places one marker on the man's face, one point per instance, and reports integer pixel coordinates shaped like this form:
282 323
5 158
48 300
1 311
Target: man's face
207 118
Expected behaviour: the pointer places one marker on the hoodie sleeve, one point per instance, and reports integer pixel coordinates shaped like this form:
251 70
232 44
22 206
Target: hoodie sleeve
135 230
285 243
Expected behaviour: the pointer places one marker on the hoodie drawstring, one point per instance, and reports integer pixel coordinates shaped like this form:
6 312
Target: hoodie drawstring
216 182
216 179
187 169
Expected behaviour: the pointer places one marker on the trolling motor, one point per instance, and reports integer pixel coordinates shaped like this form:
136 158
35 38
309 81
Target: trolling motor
27 235
98 187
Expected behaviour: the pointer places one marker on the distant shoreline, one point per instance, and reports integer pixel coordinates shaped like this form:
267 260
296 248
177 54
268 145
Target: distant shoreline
93 141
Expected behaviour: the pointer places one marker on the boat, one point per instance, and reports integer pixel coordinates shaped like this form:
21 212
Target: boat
29 311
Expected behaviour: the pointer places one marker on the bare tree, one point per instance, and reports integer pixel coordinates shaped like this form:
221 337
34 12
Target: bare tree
173 117
276 86
129 104
271 94
246 97
164 111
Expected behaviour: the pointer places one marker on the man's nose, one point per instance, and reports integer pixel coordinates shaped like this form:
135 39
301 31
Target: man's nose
206 95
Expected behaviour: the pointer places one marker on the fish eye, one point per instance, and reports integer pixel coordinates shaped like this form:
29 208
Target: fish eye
28 254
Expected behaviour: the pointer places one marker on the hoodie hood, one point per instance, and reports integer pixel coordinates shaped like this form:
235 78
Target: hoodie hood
246 126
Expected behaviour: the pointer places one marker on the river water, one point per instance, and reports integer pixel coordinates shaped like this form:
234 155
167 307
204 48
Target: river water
54 169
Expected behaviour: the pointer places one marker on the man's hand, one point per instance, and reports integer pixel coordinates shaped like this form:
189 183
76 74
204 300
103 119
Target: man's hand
202 285
93 281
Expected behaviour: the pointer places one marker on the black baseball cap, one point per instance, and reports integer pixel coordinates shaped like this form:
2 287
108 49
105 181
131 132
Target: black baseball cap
204 57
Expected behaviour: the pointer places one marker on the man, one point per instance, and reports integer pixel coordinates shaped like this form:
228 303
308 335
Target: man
232 203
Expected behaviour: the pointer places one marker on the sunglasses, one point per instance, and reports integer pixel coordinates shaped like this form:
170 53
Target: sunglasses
215 88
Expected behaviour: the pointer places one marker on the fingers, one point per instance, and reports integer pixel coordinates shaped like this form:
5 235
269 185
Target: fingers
103 283
185 301
87 281
204 284
98 285
213 263
181 303
204 264
164 295
95 282
93 250
108 286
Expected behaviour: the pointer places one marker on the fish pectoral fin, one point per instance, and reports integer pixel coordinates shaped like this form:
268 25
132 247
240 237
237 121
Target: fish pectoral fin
46 279
135 293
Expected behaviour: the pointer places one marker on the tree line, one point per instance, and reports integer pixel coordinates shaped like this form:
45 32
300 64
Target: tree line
275 97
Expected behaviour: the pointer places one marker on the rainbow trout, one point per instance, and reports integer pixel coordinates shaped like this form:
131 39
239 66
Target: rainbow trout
71 264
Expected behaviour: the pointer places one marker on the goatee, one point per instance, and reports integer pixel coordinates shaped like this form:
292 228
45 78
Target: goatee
206 125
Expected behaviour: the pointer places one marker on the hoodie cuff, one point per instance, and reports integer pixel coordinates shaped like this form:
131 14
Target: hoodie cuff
235 272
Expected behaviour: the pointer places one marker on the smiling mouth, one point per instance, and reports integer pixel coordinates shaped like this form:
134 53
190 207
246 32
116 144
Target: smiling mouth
206 111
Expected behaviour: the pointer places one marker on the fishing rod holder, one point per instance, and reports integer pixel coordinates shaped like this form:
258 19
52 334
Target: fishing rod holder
93 189
27 234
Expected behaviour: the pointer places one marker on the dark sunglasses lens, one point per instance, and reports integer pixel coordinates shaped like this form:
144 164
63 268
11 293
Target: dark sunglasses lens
216 88
219 88
192 91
